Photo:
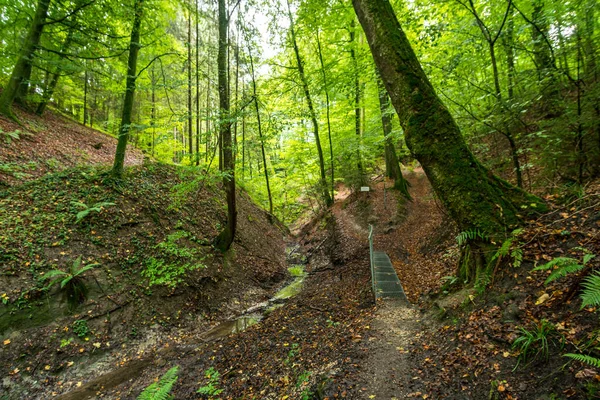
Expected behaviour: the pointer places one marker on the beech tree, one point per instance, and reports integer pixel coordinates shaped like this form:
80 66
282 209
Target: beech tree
474 197
225 238
134 48
22 68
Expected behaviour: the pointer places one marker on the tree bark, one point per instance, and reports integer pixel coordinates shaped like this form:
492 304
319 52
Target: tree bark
49 91
311 109
357 96
23 64
124 129
189 92
392 165
328 106
225 238
85 92
260 135
543 58
198 125
475 198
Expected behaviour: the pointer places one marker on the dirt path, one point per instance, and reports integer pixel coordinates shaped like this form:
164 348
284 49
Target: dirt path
388 370
408 232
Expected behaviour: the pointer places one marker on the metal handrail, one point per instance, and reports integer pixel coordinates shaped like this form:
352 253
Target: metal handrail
371 259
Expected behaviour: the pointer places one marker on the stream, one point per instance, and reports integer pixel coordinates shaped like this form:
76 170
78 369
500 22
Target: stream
256 313
251 316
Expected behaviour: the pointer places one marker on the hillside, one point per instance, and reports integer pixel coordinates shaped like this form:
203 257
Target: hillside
147 239
52 143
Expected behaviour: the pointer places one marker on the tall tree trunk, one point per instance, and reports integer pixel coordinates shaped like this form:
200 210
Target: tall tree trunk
225 238
260 135
243 136
85 92
237 88
357 95
124 129
328 106
392 165
189 92
543 58
311 109
49 91
207 105
198 125
508 42
23 65
474 197
492 40
153 110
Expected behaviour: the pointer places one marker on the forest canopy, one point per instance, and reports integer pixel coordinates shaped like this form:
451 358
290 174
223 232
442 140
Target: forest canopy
307 107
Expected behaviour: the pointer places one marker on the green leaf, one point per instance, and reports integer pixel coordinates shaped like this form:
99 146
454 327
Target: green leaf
86 268
64 282
53 273
591 291
593 361
587 258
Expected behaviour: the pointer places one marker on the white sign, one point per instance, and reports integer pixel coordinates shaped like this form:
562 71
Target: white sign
365 188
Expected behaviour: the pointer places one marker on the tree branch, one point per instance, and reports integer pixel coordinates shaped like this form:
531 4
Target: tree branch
154 59
75 11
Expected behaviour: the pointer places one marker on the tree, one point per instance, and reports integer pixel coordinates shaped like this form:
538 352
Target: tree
125 127
313 114
473 196
260 133
22 67
392 165
328 108
225 238
51 85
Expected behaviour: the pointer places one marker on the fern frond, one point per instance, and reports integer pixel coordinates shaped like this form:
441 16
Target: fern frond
86 268
587 258
563 271
591 291
103 204
79 204
52 274
593 361
558 261
160 390
469 235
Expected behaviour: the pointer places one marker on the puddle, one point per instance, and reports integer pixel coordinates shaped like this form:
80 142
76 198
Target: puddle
257 312
229 327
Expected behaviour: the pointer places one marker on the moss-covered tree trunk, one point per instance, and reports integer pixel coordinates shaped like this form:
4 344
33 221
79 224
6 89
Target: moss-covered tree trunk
134 48
392 165
225 238
22 68
473 196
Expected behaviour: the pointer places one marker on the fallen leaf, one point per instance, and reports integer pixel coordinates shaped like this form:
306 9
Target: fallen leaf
542 299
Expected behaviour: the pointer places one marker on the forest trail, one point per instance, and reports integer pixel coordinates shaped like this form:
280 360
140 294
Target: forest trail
403 229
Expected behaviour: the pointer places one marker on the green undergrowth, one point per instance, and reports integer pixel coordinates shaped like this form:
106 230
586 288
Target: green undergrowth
137 233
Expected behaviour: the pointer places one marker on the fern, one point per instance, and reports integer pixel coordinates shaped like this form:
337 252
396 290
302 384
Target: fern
591 291
508 248
566 266
470 235
86 210
593 361
161 390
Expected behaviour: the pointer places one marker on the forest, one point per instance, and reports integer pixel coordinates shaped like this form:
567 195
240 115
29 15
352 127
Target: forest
299 199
